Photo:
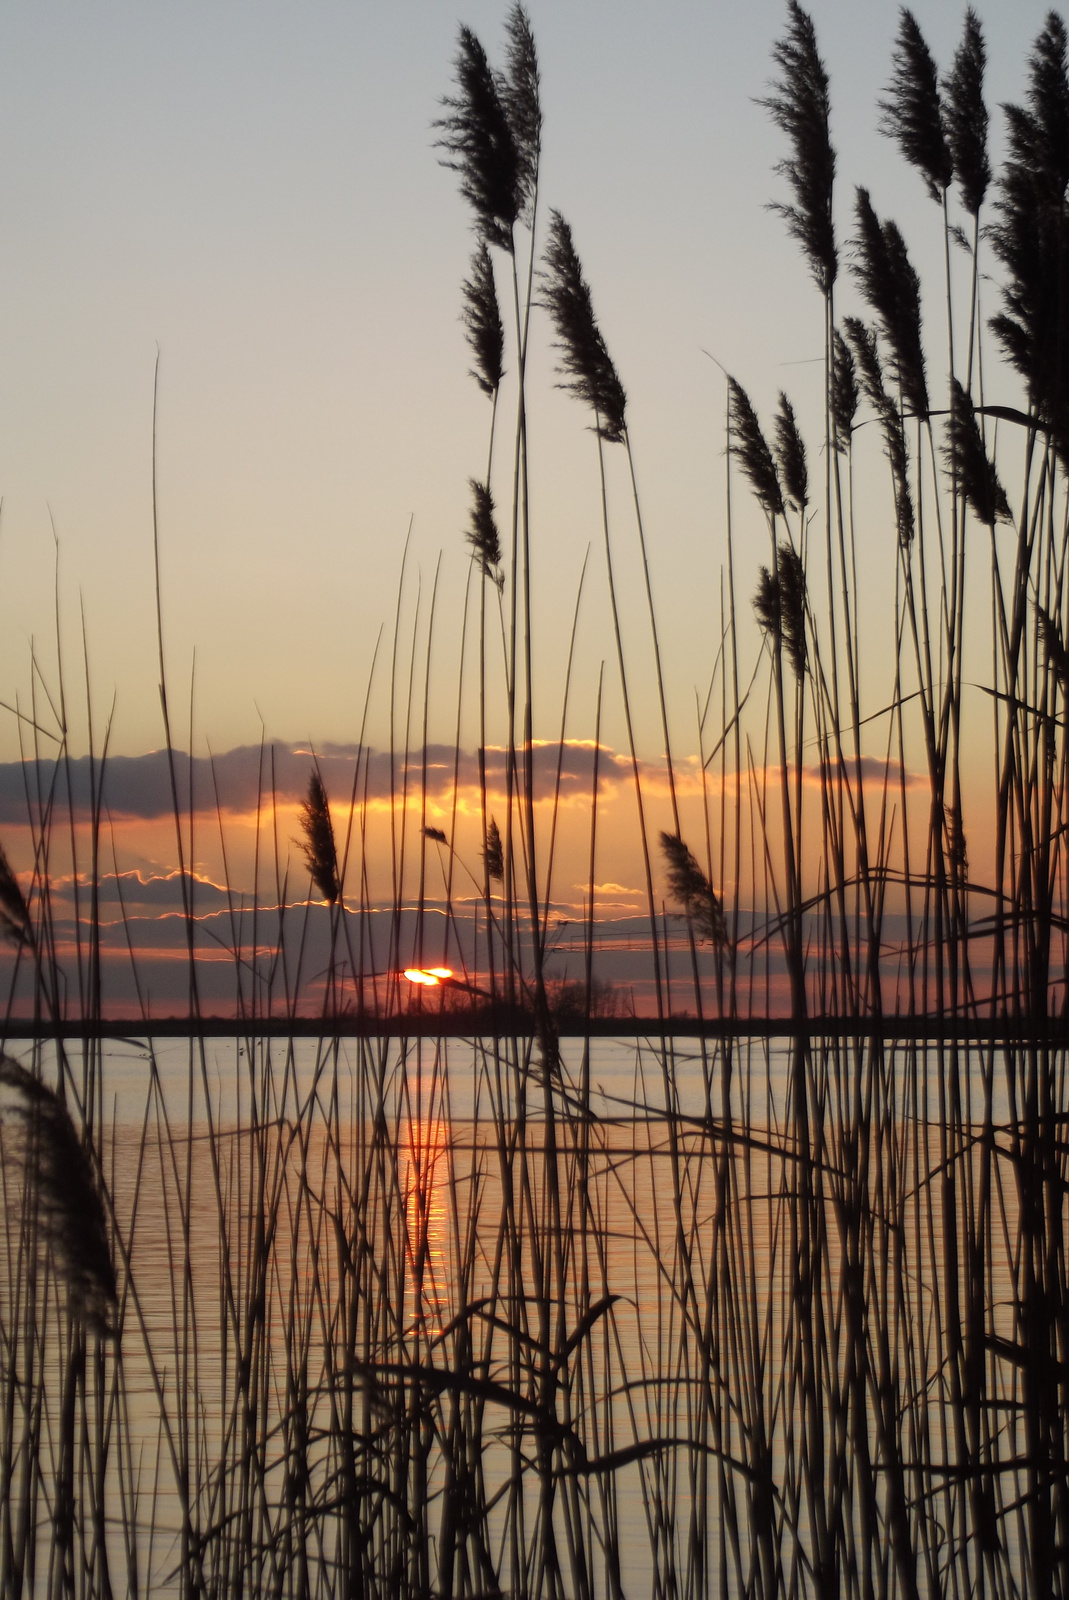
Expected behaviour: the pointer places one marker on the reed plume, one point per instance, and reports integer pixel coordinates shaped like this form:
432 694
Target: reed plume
14 912
799 106
493 854
585 361
481 316
790 454
891 286
320 853
863 342
912 111
521 99
779 605
70 1208
690 888
965 115
1054 645
969 464
751 447
435 835
844 391
483 535
1029 236
477 136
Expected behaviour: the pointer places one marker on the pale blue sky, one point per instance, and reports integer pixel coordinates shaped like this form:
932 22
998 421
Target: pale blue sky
254 189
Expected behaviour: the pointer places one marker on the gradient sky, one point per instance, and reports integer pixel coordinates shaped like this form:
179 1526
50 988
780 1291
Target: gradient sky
252 189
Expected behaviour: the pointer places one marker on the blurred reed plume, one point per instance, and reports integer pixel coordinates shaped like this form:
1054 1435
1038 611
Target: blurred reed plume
790 455
14 912
751 447
319 849
521 97
912 111
483 535
799 106
844 392
969 463
481 316
965 116
492 853
1028 237
585 361
779 605
480 145
863 342
70 1208
690 888
892 288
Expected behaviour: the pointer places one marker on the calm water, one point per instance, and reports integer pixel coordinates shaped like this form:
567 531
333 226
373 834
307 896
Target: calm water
387 1326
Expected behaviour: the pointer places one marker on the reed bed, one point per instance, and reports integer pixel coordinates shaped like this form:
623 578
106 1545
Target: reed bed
430 1289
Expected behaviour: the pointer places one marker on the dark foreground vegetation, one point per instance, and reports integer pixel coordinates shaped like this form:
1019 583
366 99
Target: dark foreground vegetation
350 1310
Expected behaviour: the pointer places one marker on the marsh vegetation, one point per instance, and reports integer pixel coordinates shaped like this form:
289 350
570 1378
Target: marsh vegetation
387 1311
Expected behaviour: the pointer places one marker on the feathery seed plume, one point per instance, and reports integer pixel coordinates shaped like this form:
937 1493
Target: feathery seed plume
892 288
1053 643
969 463
965 115
585 361
755 457
844 395
799 106
483 534
863 341
912 113
319 850
481 316
790 454
1029 236
519 93
779 605
14 912
688 885
479 144
435 835
493 854
70 1207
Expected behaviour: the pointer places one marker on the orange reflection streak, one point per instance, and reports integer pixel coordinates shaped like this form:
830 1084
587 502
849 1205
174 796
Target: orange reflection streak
431 976
424 1174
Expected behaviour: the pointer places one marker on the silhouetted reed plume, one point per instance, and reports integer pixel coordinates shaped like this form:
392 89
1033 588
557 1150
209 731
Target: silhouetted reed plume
68 1199
690 888
751 447
520 96
1030 236
319 848
493 854
790 453
844 391
779 605
969 462
892 288
479 143
965 116
481 316
799 105
585 361
1051 635
14 912
863 342
912 112
483 535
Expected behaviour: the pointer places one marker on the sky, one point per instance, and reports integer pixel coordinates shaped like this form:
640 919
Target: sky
252 191
249 195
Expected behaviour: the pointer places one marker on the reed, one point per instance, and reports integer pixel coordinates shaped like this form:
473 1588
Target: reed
378 1288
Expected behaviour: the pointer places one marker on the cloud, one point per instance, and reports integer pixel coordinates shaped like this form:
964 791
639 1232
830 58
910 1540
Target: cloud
250 777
